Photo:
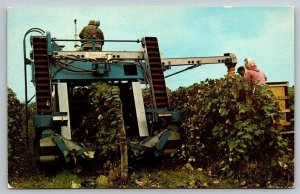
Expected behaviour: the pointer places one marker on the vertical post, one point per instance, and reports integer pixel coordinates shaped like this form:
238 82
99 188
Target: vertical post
26 98
123 148
76 35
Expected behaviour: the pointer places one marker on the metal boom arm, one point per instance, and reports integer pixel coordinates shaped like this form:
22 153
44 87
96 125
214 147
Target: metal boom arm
229 59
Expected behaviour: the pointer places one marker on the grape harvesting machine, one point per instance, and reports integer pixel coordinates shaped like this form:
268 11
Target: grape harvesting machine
57 72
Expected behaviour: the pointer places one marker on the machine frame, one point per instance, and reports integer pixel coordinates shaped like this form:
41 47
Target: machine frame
54 71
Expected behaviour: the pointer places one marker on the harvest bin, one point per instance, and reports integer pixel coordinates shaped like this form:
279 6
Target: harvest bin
280 91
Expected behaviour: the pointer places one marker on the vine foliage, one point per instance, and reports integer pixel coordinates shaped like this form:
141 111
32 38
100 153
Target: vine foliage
233 130
14 122
111 135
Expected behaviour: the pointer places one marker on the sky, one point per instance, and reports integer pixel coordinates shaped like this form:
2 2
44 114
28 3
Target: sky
265 34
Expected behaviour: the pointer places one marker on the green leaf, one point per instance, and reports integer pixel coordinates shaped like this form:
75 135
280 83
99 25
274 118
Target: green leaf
230 173
113 123
246 157
232 145
238 124
258 132
247 136
223 112
249 128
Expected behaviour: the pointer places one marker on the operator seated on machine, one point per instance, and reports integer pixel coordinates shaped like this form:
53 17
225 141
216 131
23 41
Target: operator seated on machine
91 31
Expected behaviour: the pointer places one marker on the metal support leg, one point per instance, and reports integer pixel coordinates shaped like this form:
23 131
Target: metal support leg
140 109
64 107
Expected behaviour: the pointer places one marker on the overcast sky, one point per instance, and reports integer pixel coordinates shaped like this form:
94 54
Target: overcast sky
265 34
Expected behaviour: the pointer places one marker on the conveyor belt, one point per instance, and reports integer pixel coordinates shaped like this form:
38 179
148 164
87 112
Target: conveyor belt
42 75
157 76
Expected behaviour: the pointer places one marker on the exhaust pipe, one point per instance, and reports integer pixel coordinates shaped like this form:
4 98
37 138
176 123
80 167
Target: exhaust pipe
76 37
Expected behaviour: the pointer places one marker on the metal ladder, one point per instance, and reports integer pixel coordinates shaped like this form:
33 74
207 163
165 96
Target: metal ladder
159 89
42 75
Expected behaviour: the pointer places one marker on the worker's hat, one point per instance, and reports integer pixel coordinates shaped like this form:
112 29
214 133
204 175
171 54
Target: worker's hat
92 22
249 62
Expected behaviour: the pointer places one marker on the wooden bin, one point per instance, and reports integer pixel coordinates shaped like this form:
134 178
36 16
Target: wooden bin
280 91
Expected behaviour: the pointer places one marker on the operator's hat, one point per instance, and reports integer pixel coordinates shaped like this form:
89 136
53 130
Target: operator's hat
92 22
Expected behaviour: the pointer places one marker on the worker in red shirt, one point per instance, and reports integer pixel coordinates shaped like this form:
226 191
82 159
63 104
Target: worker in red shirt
254 74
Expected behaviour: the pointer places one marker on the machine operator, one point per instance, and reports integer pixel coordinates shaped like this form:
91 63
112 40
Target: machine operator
91 31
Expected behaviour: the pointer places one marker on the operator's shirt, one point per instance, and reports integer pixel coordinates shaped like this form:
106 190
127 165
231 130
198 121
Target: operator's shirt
88 31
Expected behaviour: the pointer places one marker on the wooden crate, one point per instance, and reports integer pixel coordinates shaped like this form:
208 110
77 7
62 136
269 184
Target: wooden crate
280 91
